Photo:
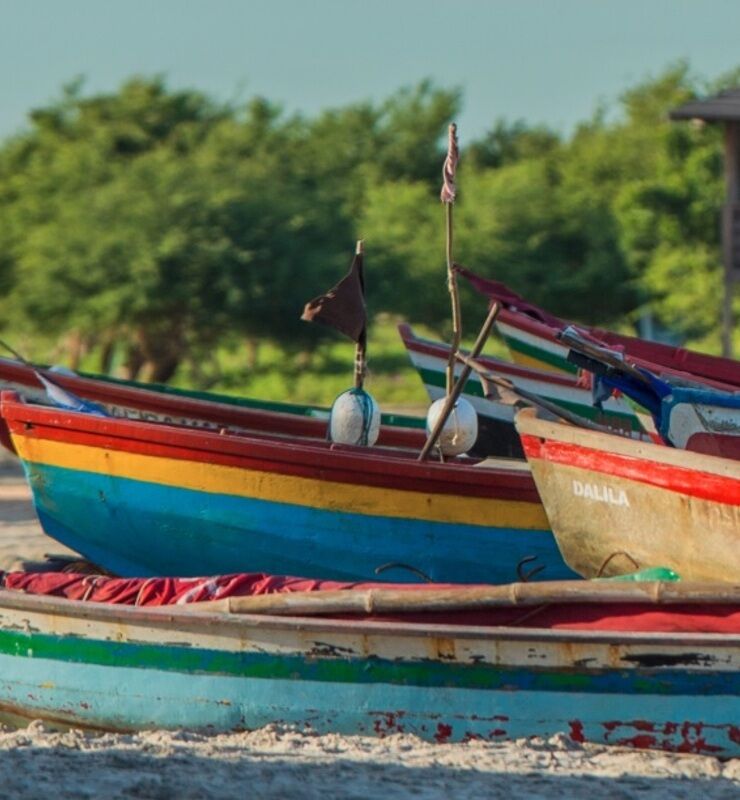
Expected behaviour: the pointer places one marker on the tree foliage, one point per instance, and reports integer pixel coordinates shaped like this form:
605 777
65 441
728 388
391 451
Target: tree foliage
157 225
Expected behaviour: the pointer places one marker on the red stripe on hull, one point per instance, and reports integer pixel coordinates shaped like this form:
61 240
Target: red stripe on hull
221 414
690 482
323 461
686 369
517 312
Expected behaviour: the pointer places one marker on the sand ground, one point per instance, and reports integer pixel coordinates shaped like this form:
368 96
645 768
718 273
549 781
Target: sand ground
36 762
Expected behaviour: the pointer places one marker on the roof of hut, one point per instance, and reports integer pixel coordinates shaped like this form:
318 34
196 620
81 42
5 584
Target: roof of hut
723 107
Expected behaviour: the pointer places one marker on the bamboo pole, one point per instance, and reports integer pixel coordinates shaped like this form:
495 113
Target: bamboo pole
532 399
448 198
454 302
386 601
361 345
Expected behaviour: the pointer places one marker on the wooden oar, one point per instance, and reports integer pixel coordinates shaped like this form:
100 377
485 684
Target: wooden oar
395 601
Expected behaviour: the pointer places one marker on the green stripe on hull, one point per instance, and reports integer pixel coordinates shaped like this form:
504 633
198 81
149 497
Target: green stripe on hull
321 665
615 419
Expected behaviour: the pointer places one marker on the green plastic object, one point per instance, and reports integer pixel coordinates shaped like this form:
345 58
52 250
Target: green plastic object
650 574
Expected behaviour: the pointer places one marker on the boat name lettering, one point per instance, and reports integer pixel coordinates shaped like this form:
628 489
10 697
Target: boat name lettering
123 412
601 493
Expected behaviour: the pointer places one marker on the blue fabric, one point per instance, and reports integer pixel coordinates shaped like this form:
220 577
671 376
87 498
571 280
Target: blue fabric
62 398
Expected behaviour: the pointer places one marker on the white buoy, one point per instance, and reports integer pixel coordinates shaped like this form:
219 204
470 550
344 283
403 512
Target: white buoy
354 419
460 430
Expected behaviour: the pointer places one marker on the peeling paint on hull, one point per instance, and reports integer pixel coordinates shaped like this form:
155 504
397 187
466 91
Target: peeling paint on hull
127 669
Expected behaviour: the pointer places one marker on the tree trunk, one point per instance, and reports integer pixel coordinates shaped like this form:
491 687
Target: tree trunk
162 351
133 362
106 356
252 345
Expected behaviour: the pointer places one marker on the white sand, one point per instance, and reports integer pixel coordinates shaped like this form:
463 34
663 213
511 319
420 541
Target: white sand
278 763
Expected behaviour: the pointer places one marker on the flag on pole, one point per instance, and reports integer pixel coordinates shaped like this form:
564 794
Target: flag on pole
449 190
343 306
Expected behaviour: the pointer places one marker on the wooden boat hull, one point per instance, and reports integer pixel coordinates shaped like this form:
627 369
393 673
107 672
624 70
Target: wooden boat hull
142 499
616 505
496 418
530 333
702 421
128 669
203 410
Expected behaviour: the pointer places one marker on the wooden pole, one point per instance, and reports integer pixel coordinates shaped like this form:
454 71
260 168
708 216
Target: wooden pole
732 195
361 346
390 600
460 383
448 198
530 398
454 301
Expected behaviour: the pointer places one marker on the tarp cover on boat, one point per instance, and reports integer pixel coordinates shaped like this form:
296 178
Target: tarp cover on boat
170 591
612 616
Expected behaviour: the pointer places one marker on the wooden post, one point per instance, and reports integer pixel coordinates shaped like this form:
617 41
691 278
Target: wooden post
730 224
447 196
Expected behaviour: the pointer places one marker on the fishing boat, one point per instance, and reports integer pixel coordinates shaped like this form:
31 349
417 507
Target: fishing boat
701 420
140 498
497 434
206 410
642 665
531 332
616 505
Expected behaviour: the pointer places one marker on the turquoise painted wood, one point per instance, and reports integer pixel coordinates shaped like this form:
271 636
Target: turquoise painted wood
127 668
111 521
144 499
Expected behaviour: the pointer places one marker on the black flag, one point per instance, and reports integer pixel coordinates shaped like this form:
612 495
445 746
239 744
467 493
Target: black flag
343 306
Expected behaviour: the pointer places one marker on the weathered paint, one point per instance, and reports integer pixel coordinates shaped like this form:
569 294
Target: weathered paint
647 505
140 499
703 421
128 669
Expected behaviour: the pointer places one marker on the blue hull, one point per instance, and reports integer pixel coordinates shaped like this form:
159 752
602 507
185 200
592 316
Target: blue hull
124 698
136 528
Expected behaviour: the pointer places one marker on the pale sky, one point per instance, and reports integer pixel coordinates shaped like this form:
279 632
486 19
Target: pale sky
544 61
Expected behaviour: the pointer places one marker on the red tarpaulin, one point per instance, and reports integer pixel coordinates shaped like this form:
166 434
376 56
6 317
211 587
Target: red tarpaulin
631 617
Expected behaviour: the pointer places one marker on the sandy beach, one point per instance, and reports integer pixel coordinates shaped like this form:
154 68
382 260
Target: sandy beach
280 763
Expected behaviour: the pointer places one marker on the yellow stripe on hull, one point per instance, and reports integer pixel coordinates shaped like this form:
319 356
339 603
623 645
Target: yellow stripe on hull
309 492
529 361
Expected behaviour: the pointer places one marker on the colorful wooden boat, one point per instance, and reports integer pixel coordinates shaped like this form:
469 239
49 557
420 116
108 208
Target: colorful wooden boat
159 403
531 335
496 419
701 420
616 505
622 669
144 499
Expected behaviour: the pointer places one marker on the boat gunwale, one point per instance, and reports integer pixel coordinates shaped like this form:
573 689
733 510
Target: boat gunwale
195 621
520 320
329 460
428 347
529 424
